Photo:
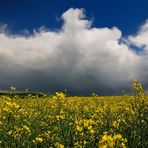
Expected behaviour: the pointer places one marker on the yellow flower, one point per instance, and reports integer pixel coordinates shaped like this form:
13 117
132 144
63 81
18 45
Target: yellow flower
90 127
86 124
61 146
112 141
38 140
6 109
115 124
58 145
15 105
123 145
117 137
92 131
79 129
26 129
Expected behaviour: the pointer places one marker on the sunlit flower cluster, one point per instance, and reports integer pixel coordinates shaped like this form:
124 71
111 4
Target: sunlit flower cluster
109 141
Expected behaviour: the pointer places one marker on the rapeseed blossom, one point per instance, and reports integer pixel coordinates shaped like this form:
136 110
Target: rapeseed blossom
61 121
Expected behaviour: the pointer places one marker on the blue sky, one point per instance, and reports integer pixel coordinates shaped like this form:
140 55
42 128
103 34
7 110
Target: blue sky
84 46
31 14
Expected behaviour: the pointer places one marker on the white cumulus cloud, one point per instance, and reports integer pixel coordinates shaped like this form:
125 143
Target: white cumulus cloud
78 57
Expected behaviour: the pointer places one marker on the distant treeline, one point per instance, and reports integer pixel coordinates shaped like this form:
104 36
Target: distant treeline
21 93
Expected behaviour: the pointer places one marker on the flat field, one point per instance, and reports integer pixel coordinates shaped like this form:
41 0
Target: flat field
59 121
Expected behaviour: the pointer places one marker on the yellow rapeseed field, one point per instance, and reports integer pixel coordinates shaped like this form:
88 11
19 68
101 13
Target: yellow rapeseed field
80 122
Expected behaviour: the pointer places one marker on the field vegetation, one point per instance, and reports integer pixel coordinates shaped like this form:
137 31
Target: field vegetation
80 122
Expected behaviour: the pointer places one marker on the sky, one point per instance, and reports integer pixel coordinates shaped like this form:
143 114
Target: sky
83 46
